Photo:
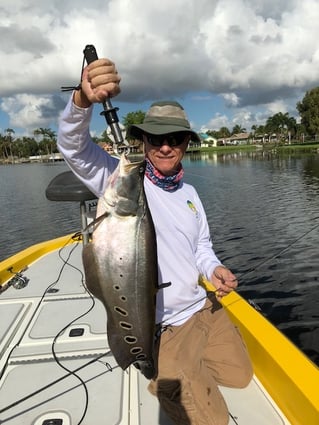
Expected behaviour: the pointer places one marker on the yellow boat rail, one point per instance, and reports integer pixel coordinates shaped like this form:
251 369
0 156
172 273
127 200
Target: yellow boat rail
288 375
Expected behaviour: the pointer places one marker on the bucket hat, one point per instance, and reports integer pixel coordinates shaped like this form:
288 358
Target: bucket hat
163 117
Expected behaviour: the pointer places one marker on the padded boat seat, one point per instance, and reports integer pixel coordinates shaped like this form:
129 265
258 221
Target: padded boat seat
67 187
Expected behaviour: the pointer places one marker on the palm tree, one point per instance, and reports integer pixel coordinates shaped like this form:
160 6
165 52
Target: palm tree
9 133
281 124
223 132
237 129
48 140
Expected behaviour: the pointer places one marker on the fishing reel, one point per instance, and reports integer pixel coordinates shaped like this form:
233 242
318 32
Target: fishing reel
18 281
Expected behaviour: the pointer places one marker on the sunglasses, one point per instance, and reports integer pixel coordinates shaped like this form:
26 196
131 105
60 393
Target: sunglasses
174 139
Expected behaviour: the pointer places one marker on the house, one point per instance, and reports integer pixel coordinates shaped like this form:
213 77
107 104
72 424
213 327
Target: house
236 139
207 141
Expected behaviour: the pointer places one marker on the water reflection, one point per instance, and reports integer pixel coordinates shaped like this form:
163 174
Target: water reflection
311 169
231 156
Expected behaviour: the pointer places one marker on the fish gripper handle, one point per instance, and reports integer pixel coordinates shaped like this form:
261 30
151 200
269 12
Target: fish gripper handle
109 112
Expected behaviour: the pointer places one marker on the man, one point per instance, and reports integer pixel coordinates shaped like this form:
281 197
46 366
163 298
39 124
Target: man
197 347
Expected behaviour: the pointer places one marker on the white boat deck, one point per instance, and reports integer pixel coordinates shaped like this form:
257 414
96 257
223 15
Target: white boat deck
36 389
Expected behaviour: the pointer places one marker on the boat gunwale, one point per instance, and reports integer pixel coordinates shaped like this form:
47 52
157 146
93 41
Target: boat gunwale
24 258
286 373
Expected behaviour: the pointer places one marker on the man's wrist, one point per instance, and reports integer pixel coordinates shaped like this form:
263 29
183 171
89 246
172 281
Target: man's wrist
80 99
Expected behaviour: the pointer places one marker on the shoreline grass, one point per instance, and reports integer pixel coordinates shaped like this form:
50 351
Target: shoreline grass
309 147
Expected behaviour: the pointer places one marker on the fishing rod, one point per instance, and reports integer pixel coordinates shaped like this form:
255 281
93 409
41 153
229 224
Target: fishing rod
212 290
276 255
240 275
109 112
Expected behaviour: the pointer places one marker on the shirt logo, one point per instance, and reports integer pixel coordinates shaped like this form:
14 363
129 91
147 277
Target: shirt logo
192 208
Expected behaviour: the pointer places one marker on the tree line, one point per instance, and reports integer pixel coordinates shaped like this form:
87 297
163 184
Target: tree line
282 125
43 143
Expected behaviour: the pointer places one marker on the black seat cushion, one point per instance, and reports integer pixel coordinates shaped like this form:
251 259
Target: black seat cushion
67 187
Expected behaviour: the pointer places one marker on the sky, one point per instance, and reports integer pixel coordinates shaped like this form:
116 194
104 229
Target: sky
227 62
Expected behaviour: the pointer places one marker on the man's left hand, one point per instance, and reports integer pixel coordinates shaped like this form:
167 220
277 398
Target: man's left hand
224 281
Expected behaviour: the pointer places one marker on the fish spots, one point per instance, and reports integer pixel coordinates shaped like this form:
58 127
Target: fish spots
121 311
118 288
125 325
130 339
137 352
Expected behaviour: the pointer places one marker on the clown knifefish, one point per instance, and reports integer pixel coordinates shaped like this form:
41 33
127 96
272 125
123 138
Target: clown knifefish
120 264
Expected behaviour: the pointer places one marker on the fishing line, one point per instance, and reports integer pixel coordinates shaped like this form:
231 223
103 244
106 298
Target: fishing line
273 257
69 372
82 382
56 381
57 360
242 275
39 303
179 312
234 418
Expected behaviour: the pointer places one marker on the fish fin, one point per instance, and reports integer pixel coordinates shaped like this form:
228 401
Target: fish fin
96 221
146 367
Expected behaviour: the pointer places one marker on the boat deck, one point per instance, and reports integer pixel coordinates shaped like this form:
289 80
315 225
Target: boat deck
57 368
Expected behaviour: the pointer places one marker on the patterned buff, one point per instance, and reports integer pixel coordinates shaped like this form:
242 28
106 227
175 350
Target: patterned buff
168 183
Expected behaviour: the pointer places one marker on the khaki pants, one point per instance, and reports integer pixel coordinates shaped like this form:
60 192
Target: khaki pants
193 359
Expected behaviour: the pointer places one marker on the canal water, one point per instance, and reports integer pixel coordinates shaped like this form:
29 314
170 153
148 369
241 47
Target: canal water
263 212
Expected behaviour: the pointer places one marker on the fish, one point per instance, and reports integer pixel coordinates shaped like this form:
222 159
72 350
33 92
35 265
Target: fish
120 266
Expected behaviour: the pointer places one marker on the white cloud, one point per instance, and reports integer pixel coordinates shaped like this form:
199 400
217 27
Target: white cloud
231 99
275 107
30 112
217 122
252 52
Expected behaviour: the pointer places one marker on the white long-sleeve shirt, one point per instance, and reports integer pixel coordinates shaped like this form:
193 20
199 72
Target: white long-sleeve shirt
184 246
